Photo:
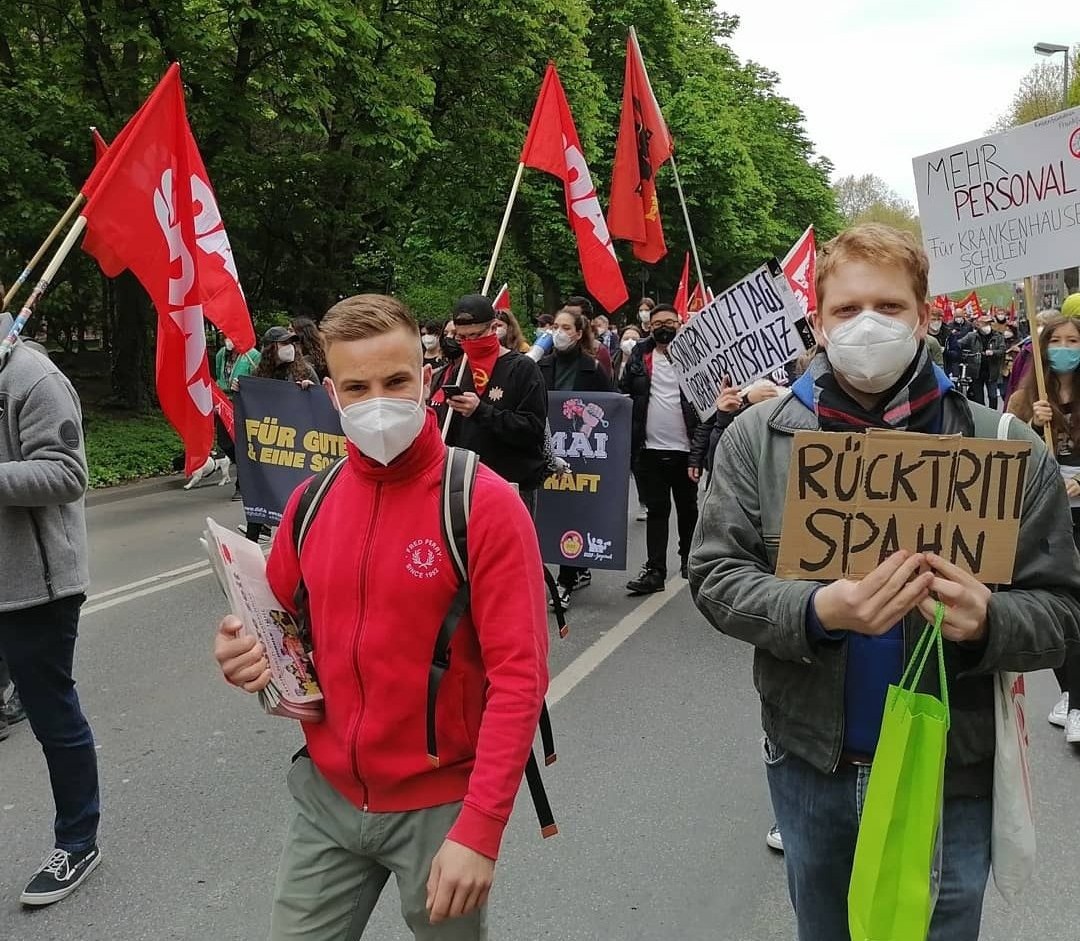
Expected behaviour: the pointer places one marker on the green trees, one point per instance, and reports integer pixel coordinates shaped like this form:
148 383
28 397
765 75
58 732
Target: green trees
370 145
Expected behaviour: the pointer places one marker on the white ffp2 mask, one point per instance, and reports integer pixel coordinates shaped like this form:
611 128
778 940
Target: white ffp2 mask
383 428
871 351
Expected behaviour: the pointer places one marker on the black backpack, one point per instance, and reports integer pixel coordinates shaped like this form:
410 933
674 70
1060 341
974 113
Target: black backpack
459 473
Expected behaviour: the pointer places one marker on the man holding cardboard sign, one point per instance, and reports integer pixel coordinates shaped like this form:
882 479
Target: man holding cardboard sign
911 508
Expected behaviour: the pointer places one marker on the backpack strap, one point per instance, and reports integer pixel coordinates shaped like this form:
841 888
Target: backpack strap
459 474
310 500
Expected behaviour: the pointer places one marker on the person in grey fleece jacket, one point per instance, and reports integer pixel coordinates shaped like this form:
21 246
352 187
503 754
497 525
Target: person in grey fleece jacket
43 581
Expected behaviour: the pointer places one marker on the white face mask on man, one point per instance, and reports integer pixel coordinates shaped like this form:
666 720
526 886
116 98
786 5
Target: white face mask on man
871 351
383 428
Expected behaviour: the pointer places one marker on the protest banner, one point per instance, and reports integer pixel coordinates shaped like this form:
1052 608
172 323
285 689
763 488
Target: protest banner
285 434
748 331
1003 207
855 499
581 517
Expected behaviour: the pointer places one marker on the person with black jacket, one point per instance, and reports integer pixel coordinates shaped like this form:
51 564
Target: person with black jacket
500 412
663 427
573 368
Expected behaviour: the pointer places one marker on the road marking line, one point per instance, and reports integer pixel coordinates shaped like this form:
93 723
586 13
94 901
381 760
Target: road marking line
160 577
592 657
151 590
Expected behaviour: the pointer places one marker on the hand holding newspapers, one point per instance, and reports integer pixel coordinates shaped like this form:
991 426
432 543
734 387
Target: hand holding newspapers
293 691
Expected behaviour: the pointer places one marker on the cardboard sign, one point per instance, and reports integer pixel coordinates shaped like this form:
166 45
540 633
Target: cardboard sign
855 499
1003 207
752 329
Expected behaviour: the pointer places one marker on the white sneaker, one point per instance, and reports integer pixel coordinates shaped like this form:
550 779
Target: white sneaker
774 840
1060 713
1072 727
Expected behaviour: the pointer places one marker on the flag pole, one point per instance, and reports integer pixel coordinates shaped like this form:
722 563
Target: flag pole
42 286
24 275
502 231
1036 353
488 277
686 216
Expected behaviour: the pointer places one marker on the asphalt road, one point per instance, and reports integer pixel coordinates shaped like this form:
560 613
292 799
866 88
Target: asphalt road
659 789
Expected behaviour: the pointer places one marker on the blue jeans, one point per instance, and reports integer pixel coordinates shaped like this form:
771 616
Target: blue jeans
818 815
39 646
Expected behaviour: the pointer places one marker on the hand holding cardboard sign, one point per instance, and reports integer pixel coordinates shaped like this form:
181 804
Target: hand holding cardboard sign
874 605
965 599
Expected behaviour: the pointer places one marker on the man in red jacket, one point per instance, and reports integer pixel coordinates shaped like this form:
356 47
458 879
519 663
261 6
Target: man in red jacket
368 801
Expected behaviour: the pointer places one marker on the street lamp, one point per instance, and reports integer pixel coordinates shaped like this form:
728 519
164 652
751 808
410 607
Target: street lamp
1052 49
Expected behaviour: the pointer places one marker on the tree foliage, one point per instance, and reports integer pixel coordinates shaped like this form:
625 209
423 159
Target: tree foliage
370 145
1041 92
868 198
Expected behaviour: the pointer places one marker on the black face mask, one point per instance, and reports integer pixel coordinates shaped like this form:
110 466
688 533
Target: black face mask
664 335
450 347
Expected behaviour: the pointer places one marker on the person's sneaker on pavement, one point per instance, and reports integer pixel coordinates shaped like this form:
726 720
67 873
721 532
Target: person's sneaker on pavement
60 875
564 597
642 514
581 580
13 711
1060 713
649 582
1072 727
774 840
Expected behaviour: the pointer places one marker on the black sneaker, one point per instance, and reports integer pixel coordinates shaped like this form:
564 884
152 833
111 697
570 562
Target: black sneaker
13 710
60 875
649 582
581 580
564 597
684 570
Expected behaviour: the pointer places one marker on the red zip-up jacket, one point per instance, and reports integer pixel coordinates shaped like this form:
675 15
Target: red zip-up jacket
380 582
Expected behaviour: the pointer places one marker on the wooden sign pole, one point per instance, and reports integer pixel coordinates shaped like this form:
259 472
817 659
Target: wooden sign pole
1036 352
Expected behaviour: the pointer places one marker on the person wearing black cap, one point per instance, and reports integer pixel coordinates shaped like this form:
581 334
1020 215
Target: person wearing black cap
501 411
282 358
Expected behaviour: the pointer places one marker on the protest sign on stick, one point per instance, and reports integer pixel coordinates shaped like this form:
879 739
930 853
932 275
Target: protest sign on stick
855 499
747 332
1003 207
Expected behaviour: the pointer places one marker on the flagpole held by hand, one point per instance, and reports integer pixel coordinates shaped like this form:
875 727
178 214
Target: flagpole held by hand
502 232
24 275
42 286
1036 353
686 216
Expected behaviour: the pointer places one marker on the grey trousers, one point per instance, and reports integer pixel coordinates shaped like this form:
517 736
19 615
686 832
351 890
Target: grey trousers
337 860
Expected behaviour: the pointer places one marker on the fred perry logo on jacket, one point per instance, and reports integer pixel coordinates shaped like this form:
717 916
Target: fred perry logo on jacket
422 558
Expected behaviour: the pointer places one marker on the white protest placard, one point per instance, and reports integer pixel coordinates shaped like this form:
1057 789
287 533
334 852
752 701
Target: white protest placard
1003 207
745 333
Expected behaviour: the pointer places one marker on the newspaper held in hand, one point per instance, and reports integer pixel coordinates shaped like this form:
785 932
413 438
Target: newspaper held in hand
293 691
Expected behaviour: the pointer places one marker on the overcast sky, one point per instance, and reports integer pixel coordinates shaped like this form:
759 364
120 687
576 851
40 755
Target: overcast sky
882 81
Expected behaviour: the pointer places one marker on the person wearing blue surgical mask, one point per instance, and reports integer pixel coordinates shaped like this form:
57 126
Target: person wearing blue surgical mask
1060 341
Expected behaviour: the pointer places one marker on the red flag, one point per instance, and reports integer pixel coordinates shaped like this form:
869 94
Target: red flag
1012 309
150 209
971 306
682 295
697 300
502 299
643 146
554 147
800 266
945 305
100 147
223 408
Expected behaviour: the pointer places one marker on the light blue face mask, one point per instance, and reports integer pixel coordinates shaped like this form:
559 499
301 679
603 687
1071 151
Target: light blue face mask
1063 358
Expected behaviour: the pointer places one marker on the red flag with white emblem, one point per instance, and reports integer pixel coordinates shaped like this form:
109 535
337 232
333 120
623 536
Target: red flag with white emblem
554 147
800 266
150 209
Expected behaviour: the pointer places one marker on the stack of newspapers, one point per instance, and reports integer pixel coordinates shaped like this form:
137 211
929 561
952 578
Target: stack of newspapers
293 691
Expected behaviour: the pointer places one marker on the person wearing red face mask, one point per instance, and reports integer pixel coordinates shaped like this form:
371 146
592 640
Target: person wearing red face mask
501 411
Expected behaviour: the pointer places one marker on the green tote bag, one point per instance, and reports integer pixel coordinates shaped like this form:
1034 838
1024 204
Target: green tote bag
890 897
